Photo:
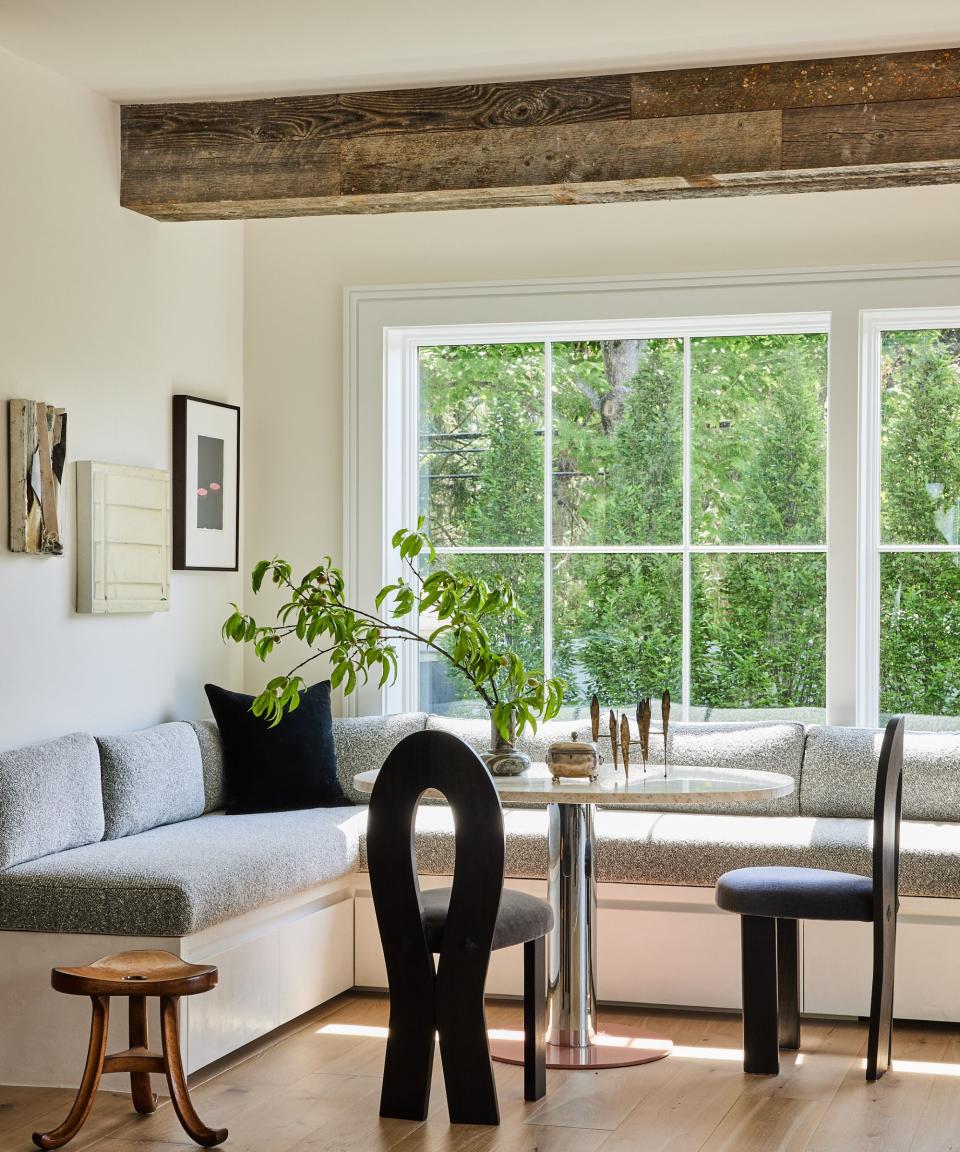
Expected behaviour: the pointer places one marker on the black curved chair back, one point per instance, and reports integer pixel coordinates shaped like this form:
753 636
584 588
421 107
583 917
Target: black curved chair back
887 809
425 999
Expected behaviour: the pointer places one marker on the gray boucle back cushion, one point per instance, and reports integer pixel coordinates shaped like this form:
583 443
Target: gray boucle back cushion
364 742
211 757
49 798
150 778
840 774
476 733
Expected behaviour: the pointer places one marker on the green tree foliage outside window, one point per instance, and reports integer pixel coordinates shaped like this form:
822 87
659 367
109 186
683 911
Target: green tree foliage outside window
920 505
758 421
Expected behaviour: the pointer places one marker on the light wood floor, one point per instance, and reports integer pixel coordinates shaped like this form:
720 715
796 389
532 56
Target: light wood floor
316 1089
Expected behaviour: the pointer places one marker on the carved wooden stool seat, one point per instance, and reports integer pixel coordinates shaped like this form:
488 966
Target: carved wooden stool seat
135 975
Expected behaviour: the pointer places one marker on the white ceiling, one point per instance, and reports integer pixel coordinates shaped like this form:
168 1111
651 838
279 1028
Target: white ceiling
141 50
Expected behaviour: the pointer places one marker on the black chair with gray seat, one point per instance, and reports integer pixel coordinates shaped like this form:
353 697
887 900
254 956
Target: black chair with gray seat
462 925
772 901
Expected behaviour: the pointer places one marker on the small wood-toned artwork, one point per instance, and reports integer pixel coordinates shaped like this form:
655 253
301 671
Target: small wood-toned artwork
38 449
206 484
123 538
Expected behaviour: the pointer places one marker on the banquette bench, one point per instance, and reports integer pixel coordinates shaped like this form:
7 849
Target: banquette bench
120 842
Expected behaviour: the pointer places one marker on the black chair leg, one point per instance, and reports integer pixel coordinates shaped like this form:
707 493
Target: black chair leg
880 1037
534 1019
464 1048
408 1063
758 937
788 983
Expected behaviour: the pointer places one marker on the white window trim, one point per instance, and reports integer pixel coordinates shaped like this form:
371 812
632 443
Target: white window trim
376 318
873 325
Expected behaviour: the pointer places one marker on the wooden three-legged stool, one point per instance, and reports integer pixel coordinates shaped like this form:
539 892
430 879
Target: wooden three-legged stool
135 975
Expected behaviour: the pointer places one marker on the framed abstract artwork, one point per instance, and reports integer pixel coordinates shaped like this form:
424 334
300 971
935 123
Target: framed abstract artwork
38 448
206 485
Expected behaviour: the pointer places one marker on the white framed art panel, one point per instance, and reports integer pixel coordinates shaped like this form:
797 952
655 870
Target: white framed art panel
123 538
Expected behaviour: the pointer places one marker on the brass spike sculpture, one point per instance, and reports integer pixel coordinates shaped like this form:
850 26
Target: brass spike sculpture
665 712
625 744
643 722
613 739
595 718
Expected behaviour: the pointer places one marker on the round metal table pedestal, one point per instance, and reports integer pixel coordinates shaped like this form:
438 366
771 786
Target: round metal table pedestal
618 1048
574 1041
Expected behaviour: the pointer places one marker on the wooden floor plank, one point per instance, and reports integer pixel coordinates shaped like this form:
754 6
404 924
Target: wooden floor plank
316 1088
884 1116
938 1127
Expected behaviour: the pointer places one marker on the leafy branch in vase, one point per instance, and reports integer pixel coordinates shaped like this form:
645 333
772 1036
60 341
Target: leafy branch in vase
360 644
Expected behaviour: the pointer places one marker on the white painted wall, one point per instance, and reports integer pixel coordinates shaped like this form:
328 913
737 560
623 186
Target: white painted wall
107 314
295 271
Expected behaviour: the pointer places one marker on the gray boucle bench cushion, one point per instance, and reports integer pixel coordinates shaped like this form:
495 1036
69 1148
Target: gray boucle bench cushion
50 798
181 878
840 773
150 778
695 850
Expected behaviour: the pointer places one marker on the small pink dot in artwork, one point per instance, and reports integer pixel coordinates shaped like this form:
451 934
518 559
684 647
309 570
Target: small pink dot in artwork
214 487
201 491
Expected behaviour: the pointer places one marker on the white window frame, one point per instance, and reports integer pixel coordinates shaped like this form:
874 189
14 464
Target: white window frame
873 325
377 410
405 346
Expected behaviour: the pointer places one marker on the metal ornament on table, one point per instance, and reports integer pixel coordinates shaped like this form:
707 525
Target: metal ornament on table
643 723
612 723
665 712
595 718
625 744
573 759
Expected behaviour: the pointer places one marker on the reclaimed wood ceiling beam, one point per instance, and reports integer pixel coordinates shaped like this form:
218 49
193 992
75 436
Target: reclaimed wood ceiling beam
854 122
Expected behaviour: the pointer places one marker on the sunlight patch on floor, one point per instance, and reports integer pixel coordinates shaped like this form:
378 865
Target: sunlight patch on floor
923 1067
371 1030
683 1052
679 1052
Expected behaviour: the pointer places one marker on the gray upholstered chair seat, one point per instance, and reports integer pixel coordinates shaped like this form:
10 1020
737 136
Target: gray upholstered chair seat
796 893
181 878
695 850
521 918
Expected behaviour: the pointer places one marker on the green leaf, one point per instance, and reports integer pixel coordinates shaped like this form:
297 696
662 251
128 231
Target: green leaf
259 571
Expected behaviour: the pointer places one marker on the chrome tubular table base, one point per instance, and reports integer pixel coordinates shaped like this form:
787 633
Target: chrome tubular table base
573 1039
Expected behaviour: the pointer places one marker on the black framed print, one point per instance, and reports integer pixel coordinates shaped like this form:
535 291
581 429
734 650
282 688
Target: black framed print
206 485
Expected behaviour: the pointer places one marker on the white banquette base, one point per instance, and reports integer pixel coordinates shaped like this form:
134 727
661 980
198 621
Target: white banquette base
664 946
275 963
669 946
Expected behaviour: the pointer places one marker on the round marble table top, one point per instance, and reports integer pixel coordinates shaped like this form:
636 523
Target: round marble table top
682 785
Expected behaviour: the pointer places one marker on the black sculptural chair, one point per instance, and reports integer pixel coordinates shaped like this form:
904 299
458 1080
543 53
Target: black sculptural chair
462 924
772 901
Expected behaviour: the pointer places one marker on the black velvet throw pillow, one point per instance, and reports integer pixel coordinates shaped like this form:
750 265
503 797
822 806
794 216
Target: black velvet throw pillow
268 769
